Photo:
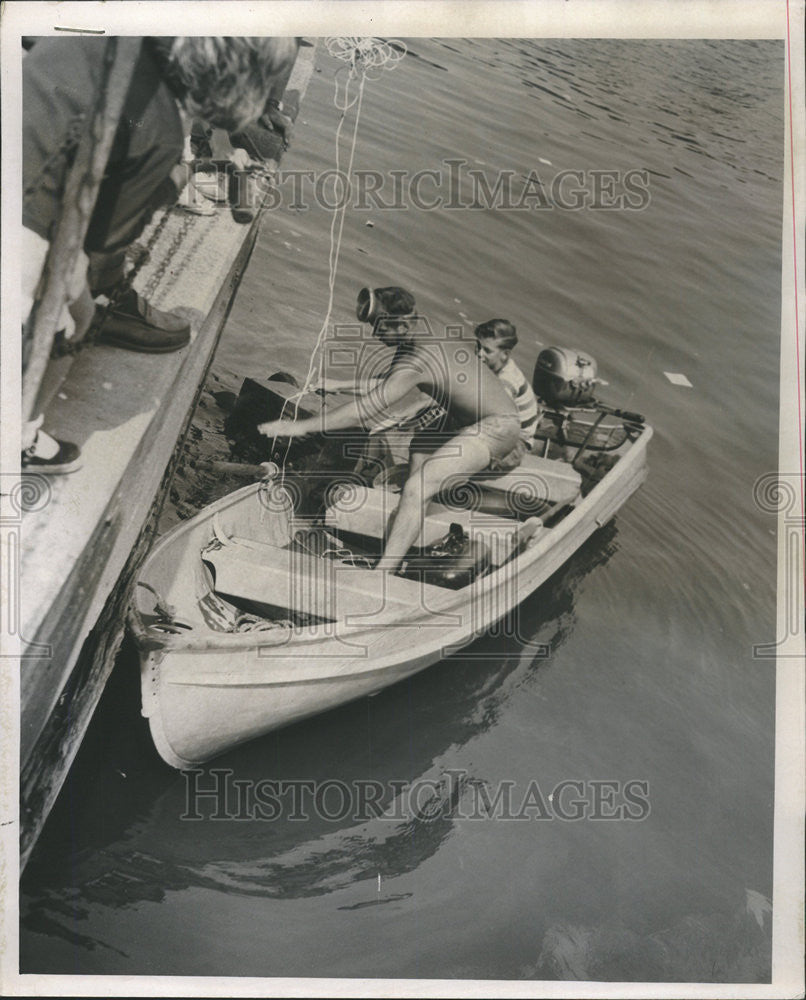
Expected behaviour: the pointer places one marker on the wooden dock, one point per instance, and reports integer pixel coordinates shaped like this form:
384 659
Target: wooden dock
83 536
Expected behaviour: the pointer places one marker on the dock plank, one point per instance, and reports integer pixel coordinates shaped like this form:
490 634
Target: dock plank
79 547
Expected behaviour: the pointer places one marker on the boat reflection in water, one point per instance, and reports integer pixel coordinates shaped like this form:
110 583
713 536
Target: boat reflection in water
120 833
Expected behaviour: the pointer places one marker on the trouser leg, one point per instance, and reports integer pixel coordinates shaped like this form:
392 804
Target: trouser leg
106 270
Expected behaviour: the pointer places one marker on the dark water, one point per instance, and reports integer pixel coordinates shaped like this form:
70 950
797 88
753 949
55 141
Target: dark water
633 663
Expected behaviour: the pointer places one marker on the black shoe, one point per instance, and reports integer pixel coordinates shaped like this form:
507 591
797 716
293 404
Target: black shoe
280 122
137 326
243 195
50 456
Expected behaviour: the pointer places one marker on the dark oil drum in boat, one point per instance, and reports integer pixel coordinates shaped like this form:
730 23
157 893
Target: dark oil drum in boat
454 562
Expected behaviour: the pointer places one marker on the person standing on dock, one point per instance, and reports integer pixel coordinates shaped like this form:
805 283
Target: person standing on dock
249 154
225 81
481 429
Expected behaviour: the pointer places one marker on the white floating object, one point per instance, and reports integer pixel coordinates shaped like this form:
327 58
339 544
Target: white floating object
62 395
547 162
677 379
106 385
458 301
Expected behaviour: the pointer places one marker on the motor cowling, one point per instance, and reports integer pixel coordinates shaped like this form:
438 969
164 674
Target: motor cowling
564 376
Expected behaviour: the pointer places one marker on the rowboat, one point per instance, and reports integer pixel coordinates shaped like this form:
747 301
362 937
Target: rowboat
264 608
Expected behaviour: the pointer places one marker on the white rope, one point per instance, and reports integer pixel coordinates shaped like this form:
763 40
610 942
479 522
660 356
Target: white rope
361 56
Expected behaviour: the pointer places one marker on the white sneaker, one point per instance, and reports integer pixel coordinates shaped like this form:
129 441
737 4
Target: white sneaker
50 456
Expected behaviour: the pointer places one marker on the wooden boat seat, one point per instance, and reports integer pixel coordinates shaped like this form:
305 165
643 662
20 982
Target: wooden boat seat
366 511
535 479
326 588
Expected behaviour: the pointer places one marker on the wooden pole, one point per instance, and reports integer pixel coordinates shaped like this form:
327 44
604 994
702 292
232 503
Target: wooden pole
238 468
81 190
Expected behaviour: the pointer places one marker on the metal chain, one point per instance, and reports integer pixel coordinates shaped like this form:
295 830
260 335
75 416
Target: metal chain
188 221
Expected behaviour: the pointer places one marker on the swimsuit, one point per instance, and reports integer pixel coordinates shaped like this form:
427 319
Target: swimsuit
500 432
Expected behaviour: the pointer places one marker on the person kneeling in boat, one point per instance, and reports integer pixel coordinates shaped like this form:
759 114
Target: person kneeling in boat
481 428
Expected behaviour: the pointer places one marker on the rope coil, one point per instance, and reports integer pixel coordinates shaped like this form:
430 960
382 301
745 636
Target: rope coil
368 52
362 56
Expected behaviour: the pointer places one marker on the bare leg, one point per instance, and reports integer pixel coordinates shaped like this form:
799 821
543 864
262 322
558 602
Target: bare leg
460 456
416 459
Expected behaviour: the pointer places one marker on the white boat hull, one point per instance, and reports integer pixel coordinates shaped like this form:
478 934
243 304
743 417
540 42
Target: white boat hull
204 697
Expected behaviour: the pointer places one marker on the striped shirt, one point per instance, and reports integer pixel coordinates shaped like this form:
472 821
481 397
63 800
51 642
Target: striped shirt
526 401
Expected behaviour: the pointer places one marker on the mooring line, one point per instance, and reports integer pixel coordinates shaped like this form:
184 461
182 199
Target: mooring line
362 55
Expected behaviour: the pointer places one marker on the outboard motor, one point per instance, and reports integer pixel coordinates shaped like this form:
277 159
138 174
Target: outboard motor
564 376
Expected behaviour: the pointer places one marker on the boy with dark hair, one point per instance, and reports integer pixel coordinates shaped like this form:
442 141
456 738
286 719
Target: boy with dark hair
494 342
481 426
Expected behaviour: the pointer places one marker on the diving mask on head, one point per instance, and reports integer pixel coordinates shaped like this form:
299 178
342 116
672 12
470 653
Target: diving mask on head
390 308
367 306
